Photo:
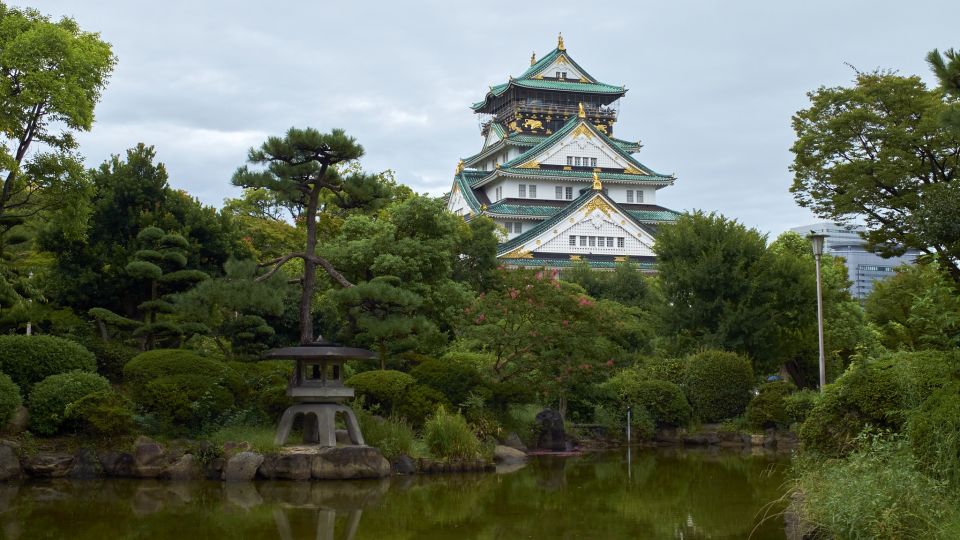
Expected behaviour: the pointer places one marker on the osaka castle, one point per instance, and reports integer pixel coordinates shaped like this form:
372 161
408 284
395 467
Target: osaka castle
553 175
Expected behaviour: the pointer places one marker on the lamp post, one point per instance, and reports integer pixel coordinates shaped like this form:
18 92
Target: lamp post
816 240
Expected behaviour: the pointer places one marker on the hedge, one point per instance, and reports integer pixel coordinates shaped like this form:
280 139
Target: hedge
718 384
50 397
152 365
10 399
30 359
452 378
381 388
184 404
768 409
101 414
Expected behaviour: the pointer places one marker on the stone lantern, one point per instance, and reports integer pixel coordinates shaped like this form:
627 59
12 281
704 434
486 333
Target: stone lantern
317 387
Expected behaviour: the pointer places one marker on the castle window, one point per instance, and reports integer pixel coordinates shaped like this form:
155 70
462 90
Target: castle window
499 192
569 193
593 241
583 241
609 241
559 192
619 241
518 227
576 161
600 240
569 161
573 240
593 162
522 188
639 195
533 191
629 195
509 226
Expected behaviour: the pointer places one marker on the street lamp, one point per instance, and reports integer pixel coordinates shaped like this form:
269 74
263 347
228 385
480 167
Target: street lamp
816 240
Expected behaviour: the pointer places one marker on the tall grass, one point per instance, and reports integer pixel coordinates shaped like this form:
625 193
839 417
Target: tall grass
392 436
448 436
878 491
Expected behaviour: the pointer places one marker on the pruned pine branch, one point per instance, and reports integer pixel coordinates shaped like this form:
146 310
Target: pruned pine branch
325 264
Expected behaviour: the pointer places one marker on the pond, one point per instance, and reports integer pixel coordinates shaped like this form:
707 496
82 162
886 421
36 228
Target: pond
653 493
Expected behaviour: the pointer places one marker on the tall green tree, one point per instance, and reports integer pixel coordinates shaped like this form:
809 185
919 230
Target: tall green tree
879 149
947 69
51 78
298 169
918 308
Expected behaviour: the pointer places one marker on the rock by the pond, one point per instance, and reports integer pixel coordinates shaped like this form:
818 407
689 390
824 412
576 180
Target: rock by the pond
513 441
9 463
19 421
148 457
550 431
185 468
285 467
86 464
507 455
341 463
213 469
118 464
403 464
242 467
48 465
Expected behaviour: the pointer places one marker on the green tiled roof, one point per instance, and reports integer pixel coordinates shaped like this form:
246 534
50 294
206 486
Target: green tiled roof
604 176
567 263
503 207
654 215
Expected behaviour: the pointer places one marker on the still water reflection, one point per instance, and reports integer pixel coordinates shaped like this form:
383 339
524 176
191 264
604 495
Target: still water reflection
661 494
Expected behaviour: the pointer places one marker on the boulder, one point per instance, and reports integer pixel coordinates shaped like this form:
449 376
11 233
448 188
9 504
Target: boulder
551 434
213 469
48 465
186 468
242 467
733 439
9 463
507 455
402 464
513 441
285 467
232 448
669 435
701 438
148 458
86 464
345 462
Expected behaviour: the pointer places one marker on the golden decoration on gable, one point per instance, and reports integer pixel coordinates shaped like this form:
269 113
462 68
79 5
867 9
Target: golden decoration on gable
597 203
530 165
532 124
632 170
533 58
459 167
576 258
567 168
513 126
582 129
597 186
619 259
560 42
580 112
519 253
603 128
483 207
562 60
538 242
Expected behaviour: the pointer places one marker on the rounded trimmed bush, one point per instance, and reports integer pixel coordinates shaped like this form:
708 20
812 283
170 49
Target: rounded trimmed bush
101 414
768 409
184 403
800 403
266 383
30 359
664 369
663 401
10 399
111 356
381 388
718 384
452 378
50 397
934 430
418 402
152 365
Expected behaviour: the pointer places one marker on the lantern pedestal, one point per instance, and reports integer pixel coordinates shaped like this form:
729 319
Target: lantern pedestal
319 424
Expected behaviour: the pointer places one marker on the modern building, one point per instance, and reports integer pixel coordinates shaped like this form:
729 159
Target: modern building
552 174
864 267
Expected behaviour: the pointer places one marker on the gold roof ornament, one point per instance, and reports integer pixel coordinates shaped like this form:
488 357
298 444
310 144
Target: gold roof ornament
560 45
597 186
580 112
533 58
459 167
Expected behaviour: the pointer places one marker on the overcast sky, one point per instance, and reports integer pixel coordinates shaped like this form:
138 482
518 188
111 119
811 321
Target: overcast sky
712 85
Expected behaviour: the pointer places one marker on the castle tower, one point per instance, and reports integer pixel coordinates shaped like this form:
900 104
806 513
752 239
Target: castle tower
552 174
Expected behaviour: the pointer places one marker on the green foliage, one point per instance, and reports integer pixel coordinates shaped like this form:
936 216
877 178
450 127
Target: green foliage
266 385
453 379
448 436
934 432
664 369
111 356
875 492
392 436
10 399
661 401
185 403
418 402
30 359
152 365
50 397
383 389
101 414
800 403
718 384
866 151
919 307
768 409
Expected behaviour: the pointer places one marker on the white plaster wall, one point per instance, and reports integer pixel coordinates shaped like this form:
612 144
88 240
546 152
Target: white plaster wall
560 64
618 192
636 242
457 203
583 146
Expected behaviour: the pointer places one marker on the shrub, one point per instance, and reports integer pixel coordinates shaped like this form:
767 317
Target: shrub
448 436
110 356
30 359
184 403
418 402
768 408
454 379
392 436
152 365
101 414
664 369
614 421
381 388
800 403
934 430
663 402
50 397
10 399
717 384
265 383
